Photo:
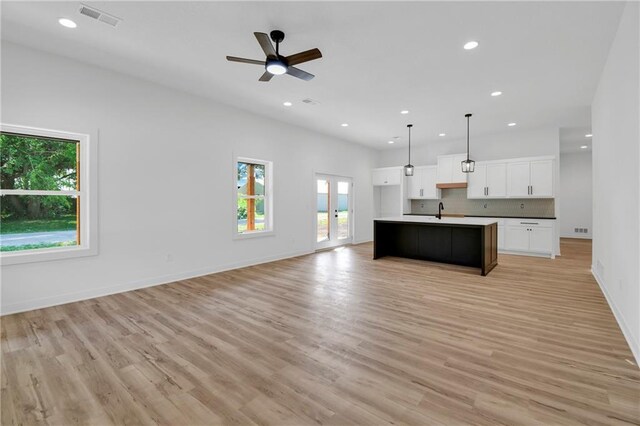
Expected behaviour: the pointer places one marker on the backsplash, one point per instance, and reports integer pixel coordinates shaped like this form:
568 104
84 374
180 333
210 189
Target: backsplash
456 202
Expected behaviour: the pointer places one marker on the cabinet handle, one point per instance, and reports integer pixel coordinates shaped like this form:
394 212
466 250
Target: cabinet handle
530 223
487 191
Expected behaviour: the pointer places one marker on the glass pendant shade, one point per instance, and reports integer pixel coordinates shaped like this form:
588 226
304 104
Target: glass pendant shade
468 166
408 170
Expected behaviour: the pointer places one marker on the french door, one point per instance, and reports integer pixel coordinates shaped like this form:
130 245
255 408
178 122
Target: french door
334 211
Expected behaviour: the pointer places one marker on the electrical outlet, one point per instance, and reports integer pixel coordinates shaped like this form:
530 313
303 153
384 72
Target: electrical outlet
522 206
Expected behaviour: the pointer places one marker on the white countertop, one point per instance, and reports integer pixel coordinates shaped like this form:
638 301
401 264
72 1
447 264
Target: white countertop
481 221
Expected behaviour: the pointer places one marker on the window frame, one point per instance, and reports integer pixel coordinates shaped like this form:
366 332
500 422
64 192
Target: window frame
268 199
87 177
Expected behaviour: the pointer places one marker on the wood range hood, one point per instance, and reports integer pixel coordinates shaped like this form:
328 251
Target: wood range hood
451 185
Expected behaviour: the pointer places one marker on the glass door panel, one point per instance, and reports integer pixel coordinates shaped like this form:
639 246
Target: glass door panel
333 211
322 211
343 209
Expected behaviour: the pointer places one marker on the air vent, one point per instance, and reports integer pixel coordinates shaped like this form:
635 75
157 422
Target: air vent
101 16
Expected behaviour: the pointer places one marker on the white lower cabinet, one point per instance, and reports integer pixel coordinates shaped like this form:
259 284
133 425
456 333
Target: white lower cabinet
516 238
530 236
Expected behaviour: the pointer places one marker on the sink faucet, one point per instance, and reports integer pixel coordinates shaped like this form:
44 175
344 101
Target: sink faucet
440 208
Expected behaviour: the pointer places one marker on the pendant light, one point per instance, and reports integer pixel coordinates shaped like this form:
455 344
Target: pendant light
408 169
468 166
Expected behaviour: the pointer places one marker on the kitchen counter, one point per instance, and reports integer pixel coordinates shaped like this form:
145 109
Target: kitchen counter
444 221
457 240
498 216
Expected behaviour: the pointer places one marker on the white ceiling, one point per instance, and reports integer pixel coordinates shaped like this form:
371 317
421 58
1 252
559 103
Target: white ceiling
379 58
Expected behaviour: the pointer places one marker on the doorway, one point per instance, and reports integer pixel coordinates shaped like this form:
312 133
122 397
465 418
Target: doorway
334 211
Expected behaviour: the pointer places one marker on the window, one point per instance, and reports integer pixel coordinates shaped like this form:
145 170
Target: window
253 197
44 189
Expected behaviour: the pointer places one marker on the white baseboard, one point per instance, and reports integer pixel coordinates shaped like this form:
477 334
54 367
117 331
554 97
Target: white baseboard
361 241
62 299
626 331
579 237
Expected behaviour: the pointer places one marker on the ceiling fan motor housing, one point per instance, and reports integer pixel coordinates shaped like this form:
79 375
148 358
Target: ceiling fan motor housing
277 36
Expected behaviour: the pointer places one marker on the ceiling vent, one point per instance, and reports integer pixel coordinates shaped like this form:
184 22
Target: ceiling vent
101 16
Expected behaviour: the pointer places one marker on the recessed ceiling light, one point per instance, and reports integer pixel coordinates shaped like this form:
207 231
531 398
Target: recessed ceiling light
588 135
496 93
442 134
345 124
584 146
470 45
67 23
391 142
287 103
404 111
511 124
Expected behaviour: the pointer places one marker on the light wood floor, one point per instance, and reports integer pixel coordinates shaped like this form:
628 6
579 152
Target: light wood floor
331 338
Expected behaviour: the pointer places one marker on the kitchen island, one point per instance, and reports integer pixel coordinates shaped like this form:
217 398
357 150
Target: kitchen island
460 241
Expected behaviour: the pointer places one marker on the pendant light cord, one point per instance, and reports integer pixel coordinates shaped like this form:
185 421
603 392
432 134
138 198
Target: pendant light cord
468 116
409 126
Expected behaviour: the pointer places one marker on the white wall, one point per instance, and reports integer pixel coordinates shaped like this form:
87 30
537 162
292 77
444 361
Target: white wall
166 178
616 155
575 190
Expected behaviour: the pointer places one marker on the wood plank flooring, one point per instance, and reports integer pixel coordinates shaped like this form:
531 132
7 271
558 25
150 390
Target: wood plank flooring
331 338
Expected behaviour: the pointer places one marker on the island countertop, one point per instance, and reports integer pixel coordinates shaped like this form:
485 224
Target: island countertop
477 221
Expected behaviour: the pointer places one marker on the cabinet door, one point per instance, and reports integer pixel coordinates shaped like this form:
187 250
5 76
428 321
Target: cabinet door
518 179
378 177
457 174
429 190
477 184
516 238
393 176
496 180
542 178
445 165
415 184
541 240
501 238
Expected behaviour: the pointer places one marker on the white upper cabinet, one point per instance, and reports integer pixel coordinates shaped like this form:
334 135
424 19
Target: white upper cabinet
422 185
477 184
518 179
489 180
542 178
387 176
530 179
496 180
450 169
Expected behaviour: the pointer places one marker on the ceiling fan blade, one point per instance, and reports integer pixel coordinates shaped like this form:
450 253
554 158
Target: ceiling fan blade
297 72
245 61
265 43
266 76
306 56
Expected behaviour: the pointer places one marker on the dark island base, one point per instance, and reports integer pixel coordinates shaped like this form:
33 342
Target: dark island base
466 245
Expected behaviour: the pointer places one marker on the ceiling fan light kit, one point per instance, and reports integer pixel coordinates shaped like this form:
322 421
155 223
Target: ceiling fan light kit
276 64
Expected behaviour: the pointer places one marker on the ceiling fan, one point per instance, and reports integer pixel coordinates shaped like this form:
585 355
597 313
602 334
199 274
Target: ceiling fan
276 64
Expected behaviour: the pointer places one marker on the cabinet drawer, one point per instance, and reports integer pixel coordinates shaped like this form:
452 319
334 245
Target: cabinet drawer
531 223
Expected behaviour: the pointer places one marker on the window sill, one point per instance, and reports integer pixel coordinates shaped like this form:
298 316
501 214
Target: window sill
250 235
31 256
